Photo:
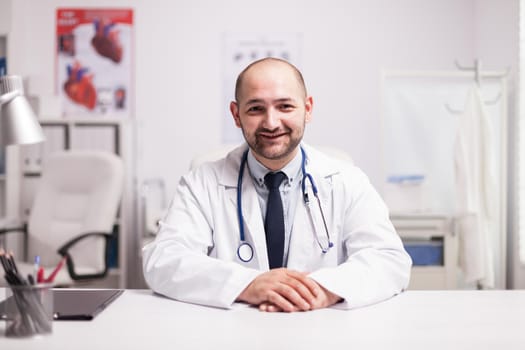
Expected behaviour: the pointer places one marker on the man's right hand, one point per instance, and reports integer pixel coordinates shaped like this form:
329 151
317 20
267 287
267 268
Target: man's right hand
286 289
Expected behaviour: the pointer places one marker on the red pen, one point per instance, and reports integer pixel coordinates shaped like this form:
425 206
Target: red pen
51 277
40 275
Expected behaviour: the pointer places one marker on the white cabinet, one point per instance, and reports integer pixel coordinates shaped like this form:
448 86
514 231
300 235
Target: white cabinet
63 134
430 235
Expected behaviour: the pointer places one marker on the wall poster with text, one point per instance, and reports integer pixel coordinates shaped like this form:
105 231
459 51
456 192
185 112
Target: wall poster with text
94 61
239 50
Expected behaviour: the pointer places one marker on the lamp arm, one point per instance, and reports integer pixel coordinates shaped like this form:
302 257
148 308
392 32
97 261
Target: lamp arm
9 96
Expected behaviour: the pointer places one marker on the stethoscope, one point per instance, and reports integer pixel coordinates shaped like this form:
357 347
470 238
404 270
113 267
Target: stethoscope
245 249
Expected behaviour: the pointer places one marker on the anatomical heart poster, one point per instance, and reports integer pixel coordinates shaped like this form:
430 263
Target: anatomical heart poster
94 61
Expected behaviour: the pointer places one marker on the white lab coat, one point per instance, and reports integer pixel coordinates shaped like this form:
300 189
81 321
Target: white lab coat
193 257
476 191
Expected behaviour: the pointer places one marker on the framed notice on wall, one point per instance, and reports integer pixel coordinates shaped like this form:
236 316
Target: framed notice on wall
94 55
241 49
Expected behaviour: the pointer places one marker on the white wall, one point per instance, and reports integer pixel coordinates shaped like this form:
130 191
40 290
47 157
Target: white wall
5 15
179 103
345 44
178 70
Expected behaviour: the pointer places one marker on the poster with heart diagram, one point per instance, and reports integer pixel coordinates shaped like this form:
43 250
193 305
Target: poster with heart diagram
94 61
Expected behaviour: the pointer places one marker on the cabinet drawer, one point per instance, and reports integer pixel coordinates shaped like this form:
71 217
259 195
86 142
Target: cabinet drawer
422 226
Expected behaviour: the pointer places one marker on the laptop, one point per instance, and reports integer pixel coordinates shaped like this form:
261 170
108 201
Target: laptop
79 304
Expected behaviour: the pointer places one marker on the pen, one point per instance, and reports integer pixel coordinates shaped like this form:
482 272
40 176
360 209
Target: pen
51 277
3 260
40 275
36 266
11 262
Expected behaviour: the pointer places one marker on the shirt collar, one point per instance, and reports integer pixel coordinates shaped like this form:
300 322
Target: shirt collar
292 170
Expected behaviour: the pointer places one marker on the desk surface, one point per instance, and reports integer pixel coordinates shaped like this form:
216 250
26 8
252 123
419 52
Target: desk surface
413 320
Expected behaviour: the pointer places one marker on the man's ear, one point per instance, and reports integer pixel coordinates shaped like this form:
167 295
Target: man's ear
234 109
308 107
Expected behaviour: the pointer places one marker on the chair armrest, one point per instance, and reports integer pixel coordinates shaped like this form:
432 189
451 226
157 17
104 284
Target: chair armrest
64 251
6 230
21 229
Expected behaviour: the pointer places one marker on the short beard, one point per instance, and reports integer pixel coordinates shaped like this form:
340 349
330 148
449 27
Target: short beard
262 151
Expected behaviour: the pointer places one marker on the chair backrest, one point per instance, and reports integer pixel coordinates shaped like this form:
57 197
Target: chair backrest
79 192
211 155
336 153
222 151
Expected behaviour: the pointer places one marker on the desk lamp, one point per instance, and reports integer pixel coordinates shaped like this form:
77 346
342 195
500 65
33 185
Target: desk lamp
18 123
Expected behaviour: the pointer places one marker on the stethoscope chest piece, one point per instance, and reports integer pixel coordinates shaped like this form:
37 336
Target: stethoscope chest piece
245 252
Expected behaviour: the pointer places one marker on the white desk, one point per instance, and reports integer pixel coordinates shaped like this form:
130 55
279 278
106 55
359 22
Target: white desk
419 320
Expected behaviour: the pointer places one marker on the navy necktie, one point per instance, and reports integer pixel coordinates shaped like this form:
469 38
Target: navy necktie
274 221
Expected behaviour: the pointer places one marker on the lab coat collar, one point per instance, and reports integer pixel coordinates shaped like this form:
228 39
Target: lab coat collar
321 169
230 171
324 166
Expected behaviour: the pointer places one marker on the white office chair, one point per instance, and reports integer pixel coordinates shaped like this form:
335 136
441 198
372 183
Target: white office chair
73 214
336 153
211 155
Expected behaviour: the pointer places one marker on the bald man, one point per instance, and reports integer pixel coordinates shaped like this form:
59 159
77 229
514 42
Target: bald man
249 227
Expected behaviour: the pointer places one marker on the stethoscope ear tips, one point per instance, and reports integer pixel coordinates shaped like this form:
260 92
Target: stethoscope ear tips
330 244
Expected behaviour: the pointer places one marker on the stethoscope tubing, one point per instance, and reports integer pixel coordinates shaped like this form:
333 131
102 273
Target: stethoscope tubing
239 195
246 257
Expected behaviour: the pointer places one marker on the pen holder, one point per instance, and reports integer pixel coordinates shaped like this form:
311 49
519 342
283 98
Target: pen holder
28 310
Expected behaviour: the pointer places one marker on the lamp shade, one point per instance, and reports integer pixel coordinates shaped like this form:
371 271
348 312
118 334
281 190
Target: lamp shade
18 123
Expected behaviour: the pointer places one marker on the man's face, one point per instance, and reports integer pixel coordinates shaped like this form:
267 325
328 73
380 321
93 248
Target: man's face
272 111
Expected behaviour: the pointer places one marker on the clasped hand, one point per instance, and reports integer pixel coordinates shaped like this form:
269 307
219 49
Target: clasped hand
286 290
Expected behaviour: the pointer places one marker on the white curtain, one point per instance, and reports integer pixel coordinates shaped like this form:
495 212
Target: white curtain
476 191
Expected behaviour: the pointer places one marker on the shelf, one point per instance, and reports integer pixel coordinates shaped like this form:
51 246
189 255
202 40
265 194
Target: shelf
81 121
32 174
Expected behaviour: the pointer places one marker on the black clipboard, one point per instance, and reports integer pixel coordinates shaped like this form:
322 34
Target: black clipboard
82 304
79 304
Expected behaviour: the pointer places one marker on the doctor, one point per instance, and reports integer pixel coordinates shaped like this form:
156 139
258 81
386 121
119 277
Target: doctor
337 248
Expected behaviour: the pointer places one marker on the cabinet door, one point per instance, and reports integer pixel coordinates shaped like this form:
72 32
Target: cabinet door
432 245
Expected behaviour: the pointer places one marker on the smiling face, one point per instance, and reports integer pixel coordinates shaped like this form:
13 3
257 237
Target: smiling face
272 109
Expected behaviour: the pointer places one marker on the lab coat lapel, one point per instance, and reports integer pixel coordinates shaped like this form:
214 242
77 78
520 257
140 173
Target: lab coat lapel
253 222
301 248
305 253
